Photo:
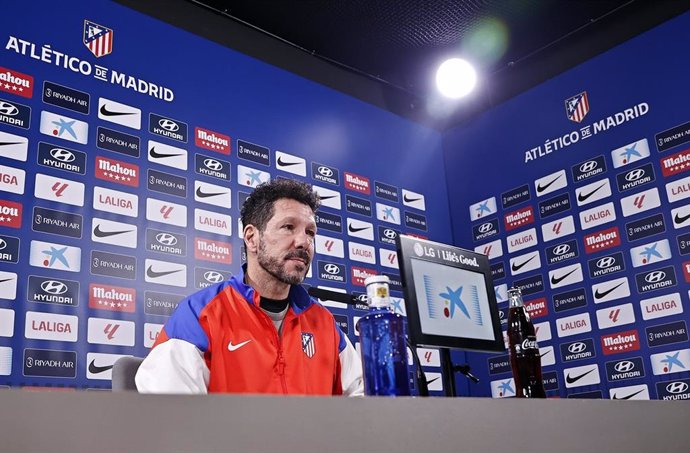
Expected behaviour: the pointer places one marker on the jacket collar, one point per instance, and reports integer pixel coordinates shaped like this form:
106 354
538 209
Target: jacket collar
299 299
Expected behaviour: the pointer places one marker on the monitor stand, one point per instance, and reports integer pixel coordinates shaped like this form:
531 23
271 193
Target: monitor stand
449 371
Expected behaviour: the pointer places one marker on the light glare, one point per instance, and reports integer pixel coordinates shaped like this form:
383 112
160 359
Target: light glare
455 78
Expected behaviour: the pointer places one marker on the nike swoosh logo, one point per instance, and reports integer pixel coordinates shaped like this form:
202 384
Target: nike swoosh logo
615 397
678 219
556 280
201 194
410 200
541 188
356 230
104 234
581 197
95 369
6 280
156 155
433 380
235 347
570 380
327 197
282 163
10 143
153 274
598 295
517 267
106 112
542 355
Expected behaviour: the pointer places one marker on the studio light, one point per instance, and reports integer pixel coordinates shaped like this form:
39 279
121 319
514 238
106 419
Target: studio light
455 78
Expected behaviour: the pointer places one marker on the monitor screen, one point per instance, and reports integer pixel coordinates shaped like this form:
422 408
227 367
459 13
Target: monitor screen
449 296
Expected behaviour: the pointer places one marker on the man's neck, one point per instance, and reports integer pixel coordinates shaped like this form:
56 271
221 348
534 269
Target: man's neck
266 284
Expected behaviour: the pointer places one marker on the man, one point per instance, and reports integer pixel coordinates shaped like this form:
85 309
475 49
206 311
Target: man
258 332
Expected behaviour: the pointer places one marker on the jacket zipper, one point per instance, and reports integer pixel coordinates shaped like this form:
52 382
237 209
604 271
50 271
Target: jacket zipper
279 342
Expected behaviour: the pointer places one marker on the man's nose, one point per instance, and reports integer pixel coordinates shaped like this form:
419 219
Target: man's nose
303 240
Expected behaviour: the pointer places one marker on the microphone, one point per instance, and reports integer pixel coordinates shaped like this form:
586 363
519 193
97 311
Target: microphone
343 298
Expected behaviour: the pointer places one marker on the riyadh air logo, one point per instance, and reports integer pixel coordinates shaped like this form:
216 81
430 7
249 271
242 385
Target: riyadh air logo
650 253
64 127
98 39
630 153
55 256
577 107
483 208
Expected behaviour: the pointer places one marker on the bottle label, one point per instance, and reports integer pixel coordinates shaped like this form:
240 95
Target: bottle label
528 343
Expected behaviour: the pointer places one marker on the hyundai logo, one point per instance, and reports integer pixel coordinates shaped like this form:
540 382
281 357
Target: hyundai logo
332 269
634 175
677 387
488 226
3 244
8 109
605 262
213 164
362 298
62 155
624 366
325 171
589 166
166 239
561 249
169 125
213 276
501 314
390 234
53 287
576 348
654 277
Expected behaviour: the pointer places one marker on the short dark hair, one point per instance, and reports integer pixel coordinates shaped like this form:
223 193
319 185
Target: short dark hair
258 208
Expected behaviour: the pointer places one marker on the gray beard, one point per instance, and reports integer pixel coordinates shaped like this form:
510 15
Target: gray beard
276 268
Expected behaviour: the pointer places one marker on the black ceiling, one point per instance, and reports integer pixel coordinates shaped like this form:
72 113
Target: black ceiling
398 44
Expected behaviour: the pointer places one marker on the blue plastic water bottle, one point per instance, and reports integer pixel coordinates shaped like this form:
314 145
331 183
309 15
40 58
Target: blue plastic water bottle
382 336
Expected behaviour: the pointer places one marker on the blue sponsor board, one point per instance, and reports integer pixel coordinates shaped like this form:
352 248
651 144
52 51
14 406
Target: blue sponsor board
61 158
342 322
113 265
503 315
676 390
166 242
556 205
515 196
395 281
254 153
683 243
332 272
530 285
358 205
670 138
669 333
9 249
386 191
578 350
387 235
241 198
620 370
118 142
594 395
324 173
562 252
212 167
160 304
158 181
498 270
416 221
635 177
50 363
168 127
328 221
57 222
48 290
644 228
15 114
65 97
550 380
499 364
569 300
653 280
588 169
205 277
485 230
606 265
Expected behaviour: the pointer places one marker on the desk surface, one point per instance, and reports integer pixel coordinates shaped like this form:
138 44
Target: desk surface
127 422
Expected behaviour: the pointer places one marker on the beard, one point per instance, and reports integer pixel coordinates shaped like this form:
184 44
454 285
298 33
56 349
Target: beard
276 266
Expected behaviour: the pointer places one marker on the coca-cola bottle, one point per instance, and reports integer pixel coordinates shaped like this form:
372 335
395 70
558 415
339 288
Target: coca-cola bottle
524 351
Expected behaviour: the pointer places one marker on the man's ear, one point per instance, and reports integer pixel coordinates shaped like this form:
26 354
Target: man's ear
251 238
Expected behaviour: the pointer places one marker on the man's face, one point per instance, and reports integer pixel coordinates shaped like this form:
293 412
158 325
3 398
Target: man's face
286 246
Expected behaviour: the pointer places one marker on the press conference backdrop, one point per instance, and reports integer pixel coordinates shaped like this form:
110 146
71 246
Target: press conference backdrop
585 205
127 148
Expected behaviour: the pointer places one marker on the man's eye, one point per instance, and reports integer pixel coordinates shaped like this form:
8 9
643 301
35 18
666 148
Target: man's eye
288 227
311 233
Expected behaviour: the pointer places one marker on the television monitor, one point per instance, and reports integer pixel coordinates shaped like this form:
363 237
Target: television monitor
449 296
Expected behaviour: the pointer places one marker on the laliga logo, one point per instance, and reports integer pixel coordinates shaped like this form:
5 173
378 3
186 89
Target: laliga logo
213 277
588 166
332 269
325 171
166 239
624 366
213 164
168 125
576 348
654 277
677 387
486 227
605 262
8 109
62 155
561 249
53 287
634 175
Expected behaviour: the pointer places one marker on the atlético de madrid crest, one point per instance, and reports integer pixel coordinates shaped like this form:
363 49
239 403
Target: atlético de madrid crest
97 38
577 107
308 344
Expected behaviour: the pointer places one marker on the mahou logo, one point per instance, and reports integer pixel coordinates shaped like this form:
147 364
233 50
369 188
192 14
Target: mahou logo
602 240
116 171
212 141
675 163
10 214
113 298
210 250
359 274
16 83
519 218
357 183
617 343
537 308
